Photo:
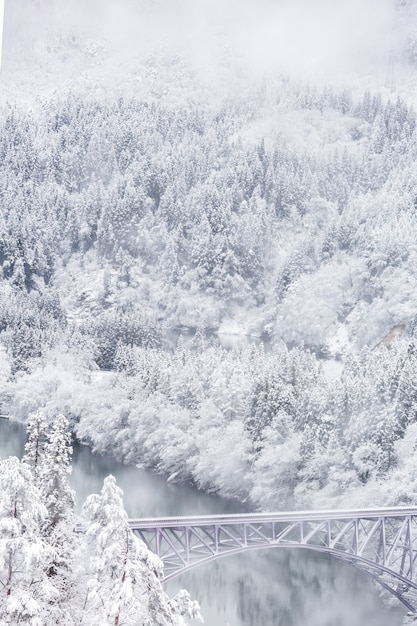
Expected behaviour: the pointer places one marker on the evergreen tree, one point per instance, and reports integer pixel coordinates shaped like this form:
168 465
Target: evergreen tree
51 575
56 468
36 431
58 525
271 396
124 585
28 595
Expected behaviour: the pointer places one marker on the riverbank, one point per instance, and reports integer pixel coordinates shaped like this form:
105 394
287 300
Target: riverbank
267 428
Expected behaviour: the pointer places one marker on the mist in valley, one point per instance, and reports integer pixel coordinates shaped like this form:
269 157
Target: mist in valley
348 43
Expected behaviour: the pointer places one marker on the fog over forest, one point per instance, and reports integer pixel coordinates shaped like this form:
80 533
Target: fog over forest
315 41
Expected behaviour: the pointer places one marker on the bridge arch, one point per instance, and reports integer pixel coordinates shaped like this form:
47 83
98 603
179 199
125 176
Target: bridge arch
382 543
366 567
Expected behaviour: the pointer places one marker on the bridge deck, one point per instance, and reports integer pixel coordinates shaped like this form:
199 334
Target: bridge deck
287 516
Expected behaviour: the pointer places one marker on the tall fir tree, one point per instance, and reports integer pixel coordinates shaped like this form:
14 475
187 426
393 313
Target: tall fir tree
124 585
27 594
37 435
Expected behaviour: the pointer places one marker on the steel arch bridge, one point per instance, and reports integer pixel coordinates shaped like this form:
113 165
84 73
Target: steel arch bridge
382 543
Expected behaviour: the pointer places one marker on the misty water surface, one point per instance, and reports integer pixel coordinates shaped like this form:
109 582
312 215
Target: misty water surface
263 588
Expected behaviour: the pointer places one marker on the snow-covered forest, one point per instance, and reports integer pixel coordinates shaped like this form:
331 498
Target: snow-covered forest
124 220
144 223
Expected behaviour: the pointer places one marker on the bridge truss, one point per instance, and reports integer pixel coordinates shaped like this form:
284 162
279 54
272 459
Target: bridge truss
380 542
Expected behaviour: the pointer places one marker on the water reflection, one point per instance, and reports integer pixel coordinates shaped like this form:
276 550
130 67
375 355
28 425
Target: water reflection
285 588
263 588
12 439
145 494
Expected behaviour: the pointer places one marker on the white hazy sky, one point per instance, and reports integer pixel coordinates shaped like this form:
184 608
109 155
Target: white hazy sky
1 26
307 37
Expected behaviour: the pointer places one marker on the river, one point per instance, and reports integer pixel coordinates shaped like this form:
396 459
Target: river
265 588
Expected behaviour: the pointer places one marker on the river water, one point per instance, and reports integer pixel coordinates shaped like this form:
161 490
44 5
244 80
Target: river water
264 588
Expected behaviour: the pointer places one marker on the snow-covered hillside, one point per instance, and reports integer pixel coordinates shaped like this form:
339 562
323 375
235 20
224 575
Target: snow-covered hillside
164 168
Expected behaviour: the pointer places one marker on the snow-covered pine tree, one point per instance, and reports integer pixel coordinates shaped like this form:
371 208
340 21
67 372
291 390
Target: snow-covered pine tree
124 577
56 468
36 431
58 527
27 594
